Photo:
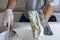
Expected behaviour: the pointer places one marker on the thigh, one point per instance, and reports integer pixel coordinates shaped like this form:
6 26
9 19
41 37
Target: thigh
31 4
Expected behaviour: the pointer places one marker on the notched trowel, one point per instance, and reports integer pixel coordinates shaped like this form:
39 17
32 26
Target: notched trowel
47 29
10 32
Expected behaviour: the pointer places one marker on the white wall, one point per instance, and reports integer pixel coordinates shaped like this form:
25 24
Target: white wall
57 8
20 3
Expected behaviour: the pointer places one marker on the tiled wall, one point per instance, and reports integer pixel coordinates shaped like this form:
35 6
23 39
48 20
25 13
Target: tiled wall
20 3
57 8
3 3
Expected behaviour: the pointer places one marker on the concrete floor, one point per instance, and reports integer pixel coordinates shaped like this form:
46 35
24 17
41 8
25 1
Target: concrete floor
25 32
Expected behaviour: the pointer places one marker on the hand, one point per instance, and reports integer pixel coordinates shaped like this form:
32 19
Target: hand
8 17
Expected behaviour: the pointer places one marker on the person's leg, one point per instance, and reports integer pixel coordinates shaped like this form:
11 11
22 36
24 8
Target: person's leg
38 23
34 18
48 10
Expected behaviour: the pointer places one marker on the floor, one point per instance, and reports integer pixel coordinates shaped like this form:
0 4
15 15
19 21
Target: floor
25 33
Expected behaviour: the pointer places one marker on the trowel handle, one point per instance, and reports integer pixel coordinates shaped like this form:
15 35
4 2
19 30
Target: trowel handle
8 26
